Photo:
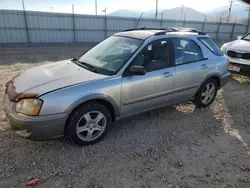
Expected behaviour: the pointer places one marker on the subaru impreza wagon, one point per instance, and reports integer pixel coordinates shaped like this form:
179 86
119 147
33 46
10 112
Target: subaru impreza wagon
130 72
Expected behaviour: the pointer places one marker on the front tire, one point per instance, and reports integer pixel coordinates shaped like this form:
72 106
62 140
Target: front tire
89 123
206 94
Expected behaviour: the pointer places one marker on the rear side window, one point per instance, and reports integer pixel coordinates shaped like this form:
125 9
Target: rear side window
186 51
211 46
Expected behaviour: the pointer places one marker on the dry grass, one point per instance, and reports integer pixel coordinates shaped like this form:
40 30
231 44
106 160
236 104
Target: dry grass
241 79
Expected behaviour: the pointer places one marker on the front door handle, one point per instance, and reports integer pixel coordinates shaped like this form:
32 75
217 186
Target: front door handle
204 66
166 74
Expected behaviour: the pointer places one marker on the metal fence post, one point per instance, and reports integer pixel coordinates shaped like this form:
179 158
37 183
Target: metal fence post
184 22
161 18
218 30
204 23
248 20
232 33
105 22
247 28
105 25
138 20
26 24
73 23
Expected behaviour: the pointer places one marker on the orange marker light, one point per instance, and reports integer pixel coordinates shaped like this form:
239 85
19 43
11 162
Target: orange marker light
36 109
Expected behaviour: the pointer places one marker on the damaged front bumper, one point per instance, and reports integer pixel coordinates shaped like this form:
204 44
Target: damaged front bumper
34 127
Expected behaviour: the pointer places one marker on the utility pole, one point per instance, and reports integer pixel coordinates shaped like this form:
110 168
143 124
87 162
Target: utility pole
26 23
230 9
182 11
248 18
23 5
156 9
95 7
248 21
73 23
105 11
105 21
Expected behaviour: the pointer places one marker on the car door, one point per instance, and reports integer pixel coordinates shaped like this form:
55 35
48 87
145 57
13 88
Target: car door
191 68
154 89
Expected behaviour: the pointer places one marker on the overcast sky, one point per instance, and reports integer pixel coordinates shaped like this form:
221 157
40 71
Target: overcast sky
88 6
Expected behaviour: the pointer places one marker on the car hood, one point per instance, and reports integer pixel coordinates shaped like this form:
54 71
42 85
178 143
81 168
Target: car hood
239 45
53 76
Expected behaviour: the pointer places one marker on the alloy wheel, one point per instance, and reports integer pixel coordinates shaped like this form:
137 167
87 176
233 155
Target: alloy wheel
208 93
91 126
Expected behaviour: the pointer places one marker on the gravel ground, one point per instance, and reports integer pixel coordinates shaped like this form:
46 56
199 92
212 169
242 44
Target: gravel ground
177 146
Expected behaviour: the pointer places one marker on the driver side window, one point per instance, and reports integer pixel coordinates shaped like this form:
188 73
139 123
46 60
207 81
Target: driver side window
154 56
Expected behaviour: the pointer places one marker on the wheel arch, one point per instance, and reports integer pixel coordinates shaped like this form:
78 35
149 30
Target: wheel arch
99 98
215 76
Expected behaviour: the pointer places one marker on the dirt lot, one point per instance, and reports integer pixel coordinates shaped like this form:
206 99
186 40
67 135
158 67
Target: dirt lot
177 146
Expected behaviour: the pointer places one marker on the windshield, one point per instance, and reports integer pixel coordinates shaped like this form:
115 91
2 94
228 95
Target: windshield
109 56
247 37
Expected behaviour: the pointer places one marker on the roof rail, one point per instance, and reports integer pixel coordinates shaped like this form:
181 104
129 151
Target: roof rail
169 29
180 29
183 29
144 28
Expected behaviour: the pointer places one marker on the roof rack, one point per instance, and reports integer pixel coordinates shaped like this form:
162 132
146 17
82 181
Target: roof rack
169 29
144 28
192 30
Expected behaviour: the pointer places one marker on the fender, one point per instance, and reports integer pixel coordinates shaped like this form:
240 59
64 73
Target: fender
210 75
95 97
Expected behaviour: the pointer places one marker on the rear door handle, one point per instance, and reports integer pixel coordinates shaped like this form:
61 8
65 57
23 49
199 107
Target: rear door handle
166 74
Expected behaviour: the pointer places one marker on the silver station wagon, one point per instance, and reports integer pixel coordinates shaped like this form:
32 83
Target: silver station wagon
130 72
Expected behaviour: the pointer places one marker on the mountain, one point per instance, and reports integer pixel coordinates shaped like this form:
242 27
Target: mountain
132 13
239 12
125 13
176 14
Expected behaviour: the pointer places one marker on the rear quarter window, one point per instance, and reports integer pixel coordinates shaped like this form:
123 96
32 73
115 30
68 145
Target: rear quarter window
211 46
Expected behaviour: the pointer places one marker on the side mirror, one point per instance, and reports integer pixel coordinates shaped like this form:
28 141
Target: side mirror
239 37
74 59
137 70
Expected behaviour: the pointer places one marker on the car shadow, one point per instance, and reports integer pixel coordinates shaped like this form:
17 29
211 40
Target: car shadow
161 122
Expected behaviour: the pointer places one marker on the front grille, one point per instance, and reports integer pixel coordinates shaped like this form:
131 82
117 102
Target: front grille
231 53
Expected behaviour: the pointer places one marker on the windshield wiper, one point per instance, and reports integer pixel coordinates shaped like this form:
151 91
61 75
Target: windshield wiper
88 66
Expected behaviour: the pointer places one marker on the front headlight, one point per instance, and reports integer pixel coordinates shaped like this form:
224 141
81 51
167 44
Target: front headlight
224 49
29 107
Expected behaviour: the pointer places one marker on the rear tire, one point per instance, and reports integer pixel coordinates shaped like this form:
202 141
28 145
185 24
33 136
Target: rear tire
206 94
89 123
